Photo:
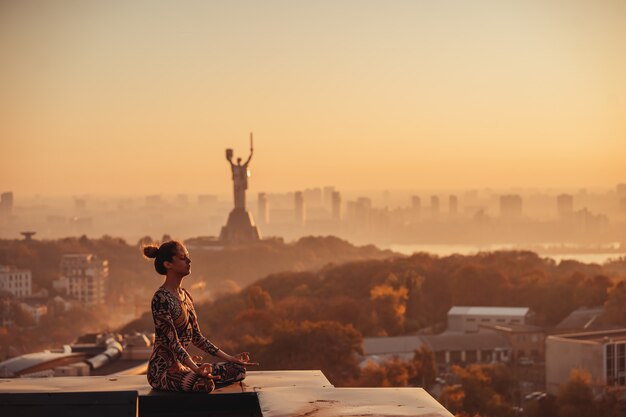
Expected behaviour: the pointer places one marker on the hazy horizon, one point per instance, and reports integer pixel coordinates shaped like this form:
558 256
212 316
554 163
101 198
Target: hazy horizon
143 97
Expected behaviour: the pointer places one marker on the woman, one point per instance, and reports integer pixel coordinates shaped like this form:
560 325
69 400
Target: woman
176 325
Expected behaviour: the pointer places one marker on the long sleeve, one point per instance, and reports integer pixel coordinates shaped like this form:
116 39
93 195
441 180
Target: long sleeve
165 328
197 338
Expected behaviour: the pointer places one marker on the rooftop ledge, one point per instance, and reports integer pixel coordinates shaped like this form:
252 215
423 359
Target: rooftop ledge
262 393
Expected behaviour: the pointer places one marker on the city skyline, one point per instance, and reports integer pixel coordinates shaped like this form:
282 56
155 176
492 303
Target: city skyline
143 98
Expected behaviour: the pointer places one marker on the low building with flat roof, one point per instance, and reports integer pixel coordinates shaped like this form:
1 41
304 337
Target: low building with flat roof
449 348
468 319
602 354
526 341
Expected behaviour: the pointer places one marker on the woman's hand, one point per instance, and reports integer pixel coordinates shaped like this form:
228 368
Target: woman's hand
206 370
244 359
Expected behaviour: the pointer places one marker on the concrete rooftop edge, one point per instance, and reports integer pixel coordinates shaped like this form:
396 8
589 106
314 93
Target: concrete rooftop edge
263 393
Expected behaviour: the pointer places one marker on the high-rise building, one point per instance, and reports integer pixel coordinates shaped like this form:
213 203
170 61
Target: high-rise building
328 195
453 205
84 277
299 208
434 205
6 202
16 281
263 208
336 206
511 206
565 206
416 205
621 196
207 199
313 196
182 199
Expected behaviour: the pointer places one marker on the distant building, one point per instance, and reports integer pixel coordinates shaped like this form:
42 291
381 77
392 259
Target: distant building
6 203
586 221
263 208
313 196
35 308
565 206
16 281
336 206
380 349
80 203
511 206
328 196
154 200
207 199
468 319
298 201
602 354
84 277
621 189
449 348
182 199
526 341
362 211
416 203
456 348
434 205
583 319
453 205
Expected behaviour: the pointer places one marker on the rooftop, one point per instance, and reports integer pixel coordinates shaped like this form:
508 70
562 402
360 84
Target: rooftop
466 341
263 393
393 344
597 337
489 311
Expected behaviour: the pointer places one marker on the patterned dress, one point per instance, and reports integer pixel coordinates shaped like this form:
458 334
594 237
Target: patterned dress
176 326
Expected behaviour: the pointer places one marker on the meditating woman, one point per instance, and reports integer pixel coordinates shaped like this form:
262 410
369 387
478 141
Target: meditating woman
171 368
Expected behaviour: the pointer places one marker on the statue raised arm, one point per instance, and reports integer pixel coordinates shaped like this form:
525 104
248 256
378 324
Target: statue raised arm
251 152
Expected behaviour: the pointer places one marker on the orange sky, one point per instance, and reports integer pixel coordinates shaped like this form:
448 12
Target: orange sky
142 97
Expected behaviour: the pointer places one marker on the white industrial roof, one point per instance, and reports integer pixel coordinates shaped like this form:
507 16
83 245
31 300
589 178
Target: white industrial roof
488 311
395 344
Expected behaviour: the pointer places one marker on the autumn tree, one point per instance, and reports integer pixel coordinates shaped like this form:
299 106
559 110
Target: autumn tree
389 306
326 345
615 306
423 367
393 372
480 393
575 398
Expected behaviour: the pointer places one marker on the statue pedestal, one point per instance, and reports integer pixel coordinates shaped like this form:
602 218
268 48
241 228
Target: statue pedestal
240 228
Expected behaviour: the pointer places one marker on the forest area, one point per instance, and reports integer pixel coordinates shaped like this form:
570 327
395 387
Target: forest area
309 304
317 320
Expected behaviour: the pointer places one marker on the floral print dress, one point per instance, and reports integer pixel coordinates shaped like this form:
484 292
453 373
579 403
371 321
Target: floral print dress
176 326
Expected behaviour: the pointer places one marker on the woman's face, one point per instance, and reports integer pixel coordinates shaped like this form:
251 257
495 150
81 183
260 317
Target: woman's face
181 264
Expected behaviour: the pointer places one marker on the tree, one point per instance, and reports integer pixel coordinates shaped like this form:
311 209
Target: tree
615 306
326 345
424 367
390 306
575 398
480 393
258 298
391 373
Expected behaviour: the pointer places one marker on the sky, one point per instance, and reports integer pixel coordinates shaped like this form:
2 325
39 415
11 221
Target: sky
142 97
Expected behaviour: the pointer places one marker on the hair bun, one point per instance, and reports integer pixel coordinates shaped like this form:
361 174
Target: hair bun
151 251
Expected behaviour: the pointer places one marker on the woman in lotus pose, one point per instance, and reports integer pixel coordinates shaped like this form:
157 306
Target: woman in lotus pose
176 326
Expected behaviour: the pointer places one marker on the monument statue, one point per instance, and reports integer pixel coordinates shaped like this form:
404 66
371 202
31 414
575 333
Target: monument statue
240 176
240 227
